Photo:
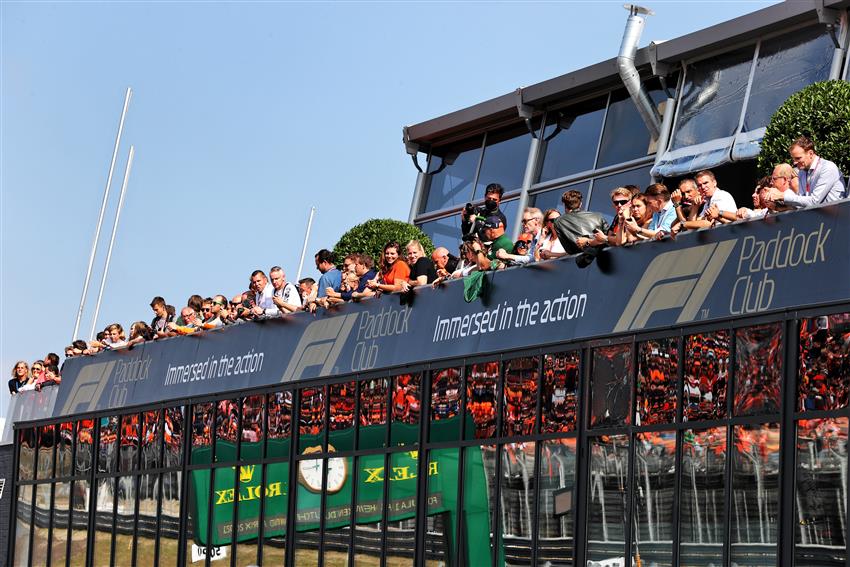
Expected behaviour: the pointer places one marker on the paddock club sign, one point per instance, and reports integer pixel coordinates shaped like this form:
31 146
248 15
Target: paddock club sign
245 485
785 261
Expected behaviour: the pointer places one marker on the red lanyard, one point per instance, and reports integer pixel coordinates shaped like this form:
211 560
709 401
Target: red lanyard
809 176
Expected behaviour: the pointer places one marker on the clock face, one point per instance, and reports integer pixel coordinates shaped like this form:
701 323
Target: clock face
310 472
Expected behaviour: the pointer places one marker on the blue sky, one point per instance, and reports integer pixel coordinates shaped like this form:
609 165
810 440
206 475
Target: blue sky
244 115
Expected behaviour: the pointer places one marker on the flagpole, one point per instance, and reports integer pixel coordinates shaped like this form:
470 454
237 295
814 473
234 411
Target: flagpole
112 241
102 211
306 238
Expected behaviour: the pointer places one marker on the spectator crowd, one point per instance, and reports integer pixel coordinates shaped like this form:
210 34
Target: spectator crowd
654 214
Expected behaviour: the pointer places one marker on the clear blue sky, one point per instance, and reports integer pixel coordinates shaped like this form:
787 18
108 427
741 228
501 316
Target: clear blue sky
243 116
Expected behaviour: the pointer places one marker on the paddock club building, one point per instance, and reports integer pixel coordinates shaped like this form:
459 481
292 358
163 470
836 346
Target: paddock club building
684 402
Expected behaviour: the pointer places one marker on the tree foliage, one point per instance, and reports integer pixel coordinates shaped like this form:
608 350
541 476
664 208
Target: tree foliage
371 236
820 111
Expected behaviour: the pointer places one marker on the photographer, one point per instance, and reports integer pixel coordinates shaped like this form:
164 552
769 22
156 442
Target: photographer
473 216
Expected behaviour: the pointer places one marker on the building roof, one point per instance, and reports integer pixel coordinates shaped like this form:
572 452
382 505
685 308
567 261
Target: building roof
502 109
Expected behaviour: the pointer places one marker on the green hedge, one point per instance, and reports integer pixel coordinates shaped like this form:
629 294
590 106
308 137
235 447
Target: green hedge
371 236
820 111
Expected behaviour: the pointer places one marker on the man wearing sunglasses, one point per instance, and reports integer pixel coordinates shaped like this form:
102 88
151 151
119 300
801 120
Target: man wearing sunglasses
532 227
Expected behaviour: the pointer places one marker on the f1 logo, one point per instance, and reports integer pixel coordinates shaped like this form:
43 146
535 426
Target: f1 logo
87 388
320 344
680 278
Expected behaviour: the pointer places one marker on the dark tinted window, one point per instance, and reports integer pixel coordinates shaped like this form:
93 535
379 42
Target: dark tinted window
453 185
610 385
706 376
444 232
758 369
445 405
341 416
573 135
560 392
505 158
658 372
311 417
373 413
552 199
820 513
824 378
655 474
712 97
702 518
785 65
253 416
481 382
625 136
406 408
520 396
510 209
600 199
108 444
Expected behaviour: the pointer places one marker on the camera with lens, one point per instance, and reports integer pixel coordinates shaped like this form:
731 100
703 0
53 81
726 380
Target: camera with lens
489 207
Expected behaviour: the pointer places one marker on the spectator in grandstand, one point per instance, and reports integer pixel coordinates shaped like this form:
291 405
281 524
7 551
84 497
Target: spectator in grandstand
578 230
114 338
621 198
494 233
444 262
549 245
94 346
140 332
285 297
714 199
422 271
532 232
687 202
50 377
819 179
51 359
241 306
195 302
762 205
472 218
161 316
20 377
393 270
211 318
218 310
263 304
349 284
784 177
206 309
469 258
307 289
663 213
364 269
191 320
331 276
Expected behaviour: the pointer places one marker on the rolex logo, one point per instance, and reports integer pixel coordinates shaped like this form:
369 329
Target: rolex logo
246 473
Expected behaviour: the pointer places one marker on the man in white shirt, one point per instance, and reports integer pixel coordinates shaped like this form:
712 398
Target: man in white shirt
286 297
263 295
714 199
819 179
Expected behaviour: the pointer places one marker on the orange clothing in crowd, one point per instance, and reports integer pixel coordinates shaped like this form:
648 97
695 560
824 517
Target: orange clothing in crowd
398 271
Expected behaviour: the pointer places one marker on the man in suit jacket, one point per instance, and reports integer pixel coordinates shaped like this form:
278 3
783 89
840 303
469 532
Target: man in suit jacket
820 179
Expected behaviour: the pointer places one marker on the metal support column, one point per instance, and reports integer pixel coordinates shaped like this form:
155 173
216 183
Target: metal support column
527 182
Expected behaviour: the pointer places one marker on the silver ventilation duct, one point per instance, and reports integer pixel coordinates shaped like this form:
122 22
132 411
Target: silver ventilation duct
628 71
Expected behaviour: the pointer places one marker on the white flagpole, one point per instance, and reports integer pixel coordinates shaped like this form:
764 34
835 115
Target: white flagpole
102 211
306 238
112 241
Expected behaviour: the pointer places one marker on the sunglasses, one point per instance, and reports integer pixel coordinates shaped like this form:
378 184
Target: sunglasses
206 309
621 202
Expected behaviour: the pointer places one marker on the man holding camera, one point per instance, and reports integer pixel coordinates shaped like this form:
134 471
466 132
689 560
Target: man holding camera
473 216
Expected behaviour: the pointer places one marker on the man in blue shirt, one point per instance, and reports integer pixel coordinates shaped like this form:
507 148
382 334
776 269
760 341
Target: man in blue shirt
331 277
663 211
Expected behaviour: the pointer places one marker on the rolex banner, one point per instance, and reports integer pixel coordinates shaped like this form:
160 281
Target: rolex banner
370 475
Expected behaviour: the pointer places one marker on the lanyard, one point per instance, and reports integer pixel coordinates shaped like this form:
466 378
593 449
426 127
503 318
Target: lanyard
809 175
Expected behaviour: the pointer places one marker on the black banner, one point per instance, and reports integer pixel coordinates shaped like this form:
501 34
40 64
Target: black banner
785 261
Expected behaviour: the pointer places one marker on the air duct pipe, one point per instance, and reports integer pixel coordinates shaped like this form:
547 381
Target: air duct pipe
629 73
